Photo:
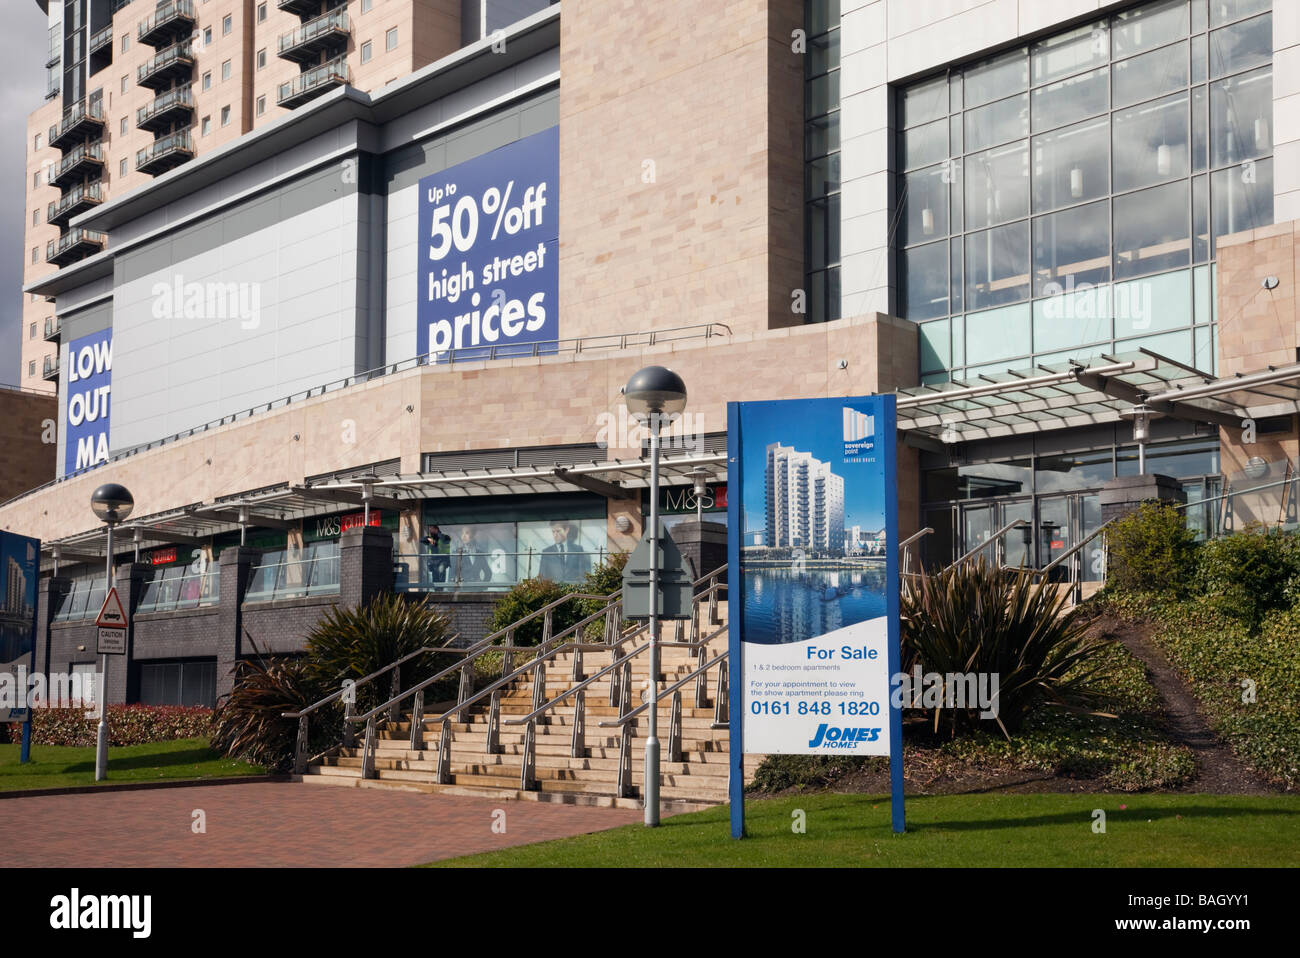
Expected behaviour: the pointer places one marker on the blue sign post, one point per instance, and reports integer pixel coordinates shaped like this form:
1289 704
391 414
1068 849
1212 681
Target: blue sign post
814 595
20 559
488 271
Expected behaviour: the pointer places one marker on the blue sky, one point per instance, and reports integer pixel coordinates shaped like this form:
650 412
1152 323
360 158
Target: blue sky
815 426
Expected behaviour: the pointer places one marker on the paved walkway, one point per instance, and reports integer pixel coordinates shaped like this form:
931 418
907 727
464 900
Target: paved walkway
276 824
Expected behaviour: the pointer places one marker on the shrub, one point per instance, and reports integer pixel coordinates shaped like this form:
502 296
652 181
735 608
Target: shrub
778 772
1151 550
1250 573
351 643
127 725
249 722
527 597
605 579
971 617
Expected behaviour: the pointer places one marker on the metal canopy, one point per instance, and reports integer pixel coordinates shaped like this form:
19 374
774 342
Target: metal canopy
619 478
1070 394
281 506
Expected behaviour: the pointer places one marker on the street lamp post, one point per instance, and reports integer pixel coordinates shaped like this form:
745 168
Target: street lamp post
112 503
700 475
654 394
1141 416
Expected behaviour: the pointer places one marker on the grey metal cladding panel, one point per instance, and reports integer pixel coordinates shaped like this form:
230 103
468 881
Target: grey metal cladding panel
245 180
540 116
406 166
318 189
71 300
86 321
323 186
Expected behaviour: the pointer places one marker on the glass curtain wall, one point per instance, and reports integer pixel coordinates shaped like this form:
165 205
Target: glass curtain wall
822 161
1063 199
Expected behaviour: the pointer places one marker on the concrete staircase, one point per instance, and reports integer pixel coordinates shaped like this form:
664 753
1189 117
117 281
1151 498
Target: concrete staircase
590 778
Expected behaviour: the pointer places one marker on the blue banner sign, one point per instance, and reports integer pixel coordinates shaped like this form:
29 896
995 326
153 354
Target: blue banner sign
488 251
813 540
20 559
89 380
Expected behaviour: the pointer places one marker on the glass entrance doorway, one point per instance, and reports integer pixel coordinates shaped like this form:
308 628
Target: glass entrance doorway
1053 525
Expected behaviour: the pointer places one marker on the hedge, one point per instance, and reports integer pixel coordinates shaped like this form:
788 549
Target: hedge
127 725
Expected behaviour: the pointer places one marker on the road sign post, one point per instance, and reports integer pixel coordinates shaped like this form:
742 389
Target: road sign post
112 624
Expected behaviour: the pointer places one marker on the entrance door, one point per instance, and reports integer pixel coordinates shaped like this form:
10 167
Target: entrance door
1055 532
976 528
1017 543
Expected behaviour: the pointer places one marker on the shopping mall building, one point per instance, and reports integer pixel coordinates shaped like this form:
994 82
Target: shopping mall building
416 299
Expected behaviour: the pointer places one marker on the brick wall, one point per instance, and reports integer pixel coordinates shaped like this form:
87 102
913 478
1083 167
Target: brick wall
26 420
1258 327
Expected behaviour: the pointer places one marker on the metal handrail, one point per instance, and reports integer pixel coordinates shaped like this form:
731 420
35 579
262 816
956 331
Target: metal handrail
630 716
1236 492
94 151
334 20
481 647
631 655
1014 523
1069 552
915 536
333 696
181 50
165 13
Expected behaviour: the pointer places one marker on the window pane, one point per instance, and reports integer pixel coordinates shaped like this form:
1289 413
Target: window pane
1222 11
1241 46
954 276
823 53
1153 304
824 232
822 94
1073 318
1150 74
997 78
823 175
998 122
936 351
1068 100
822 135
1147 27
997 334
925 202
923 281
1077 470
1070 52
1200 219
1072 165
1241 111
1151 142
997 185
1200 129
1071 248
1243 197
1151 230
997 267
922 145
923 103
823 15
1200 58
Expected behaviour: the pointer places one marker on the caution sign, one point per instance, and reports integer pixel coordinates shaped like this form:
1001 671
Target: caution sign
111 614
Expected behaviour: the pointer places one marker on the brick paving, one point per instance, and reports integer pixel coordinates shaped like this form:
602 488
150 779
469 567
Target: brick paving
276 824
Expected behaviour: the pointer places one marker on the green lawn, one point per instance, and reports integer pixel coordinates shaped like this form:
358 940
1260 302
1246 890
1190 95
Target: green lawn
947 830
55 766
